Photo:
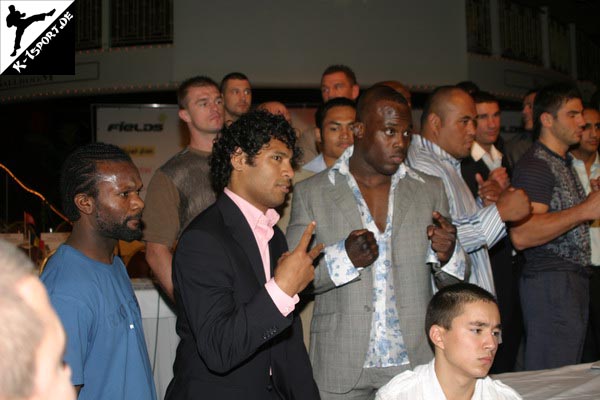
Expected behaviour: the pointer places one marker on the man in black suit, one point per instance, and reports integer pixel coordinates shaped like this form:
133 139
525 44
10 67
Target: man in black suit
235 284
486 172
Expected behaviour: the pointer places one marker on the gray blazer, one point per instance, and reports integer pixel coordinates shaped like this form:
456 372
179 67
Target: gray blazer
341 323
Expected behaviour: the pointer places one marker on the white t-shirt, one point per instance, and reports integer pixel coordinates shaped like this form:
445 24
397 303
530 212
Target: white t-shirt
422 384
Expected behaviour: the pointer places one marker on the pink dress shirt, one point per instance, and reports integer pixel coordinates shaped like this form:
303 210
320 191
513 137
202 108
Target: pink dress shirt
262 228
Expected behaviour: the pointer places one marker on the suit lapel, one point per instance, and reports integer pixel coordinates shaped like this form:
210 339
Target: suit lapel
403 199
342 196
242 234
483 169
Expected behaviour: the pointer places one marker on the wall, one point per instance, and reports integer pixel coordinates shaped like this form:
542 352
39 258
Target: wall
278 44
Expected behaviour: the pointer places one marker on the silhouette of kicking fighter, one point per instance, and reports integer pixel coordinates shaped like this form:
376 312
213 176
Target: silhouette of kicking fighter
15 18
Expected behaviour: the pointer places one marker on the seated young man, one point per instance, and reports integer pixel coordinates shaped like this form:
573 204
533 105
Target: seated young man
463 328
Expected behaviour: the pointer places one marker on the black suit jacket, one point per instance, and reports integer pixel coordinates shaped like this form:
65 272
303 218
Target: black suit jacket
506 272
469 167
501 253
232 334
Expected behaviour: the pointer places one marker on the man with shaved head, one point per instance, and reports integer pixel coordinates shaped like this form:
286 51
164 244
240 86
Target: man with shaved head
376 216
448 126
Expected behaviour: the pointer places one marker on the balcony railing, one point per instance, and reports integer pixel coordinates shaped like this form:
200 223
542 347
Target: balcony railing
588 58
89 24
479 33
138 22
520 32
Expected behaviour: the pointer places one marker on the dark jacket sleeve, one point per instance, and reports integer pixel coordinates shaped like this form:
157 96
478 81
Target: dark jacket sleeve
230 314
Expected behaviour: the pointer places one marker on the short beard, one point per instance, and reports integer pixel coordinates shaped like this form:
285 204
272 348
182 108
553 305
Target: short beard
119 231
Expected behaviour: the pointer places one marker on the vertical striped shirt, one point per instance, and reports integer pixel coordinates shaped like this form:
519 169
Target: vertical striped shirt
478 227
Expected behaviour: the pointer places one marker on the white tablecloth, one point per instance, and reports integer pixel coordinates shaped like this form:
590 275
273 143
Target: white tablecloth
572 382
158 320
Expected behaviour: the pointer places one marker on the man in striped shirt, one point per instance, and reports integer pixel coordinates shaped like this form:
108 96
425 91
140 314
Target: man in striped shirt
448 131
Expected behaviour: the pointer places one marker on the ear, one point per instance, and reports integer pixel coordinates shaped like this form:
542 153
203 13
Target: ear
238 159
358 129
84 203
547 120
436 334
318 137
185 115
355 91
435 122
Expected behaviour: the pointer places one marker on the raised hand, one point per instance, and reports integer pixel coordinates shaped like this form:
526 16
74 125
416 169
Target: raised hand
362 248
595 184
501 176
295 269
489 190
443 237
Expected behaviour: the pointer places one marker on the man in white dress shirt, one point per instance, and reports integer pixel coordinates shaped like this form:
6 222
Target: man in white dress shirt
463 328
586 163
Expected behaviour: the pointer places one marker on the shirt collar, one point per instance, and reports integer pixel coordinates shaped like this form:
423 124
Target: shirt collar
477 152
567 159
431 147
342 166
595 164
316 165
252 214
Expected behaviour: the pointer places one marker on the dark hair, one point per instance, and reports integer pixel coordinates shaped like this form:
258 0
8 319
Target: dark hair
232 75
249 133
432 104
484 97
332 69
550 99
79 173
531 91
324 108
374 94
468 86
449 302
196 81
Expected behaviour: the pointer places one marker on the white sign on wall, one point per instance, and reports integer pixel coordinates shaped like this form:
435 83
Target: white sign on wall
151 134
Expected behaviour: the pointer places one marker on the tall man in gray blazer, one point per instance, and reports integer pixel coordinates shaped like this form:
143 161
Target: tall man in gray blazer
382 225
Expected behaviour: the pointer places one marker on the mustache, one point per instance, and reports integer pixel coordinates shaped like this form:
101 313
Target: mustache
137 216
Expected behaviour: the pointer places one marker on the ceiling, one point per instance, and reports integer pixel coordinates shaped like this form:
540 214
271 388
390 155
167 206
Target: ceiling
584 13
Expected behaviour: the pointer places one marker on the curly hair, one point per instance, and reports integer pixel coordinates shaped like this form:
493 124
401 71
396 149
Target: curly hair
250 133
79 173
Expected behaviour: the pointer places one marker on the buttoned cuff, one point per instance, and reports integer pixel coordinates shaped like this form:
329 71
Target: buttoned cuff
285 304
340 268
456 265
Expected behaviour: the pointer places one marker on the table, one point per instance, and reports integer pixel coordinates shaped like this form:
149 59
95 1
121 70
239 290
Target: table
158 319
572 382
